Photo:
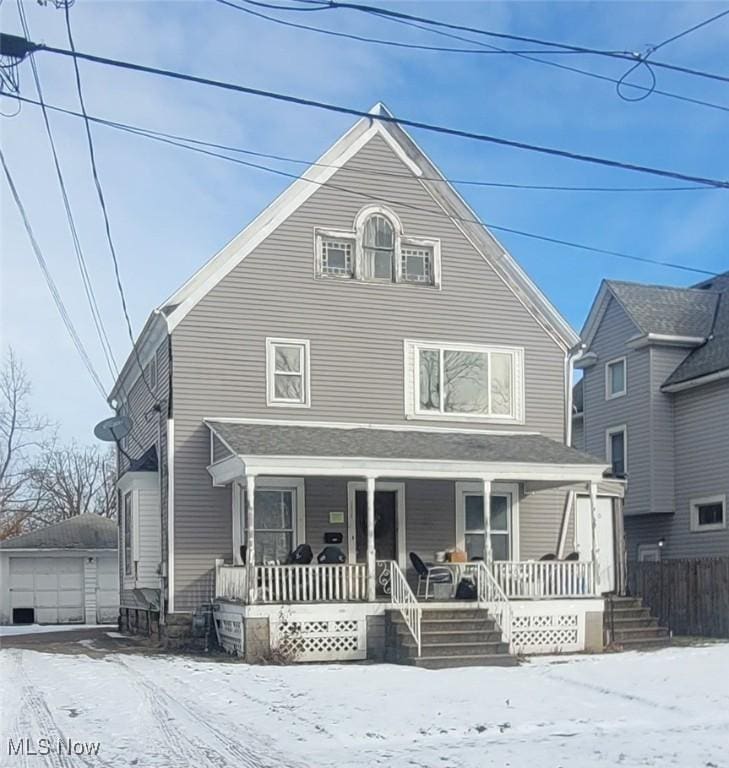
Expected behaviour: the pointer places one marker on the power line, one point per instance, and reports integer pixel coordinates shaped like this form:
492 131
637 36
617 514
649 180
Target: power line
102 202
85 277
299 161
158 136
287 98
390 14
52 287
484 48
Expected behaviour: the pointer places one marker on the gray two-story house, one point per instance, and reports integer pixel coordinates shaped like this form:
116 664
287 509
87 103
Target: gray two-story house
360 407
654 401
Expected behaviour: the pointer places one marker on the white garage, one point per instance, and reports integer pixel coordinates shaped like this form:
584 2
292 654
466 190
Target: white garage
63 574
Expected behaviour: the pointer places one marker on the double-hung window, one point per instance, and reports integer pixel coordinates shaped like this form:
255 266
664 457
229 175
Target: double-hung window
128 533
615 378
287 372
464 381
708 514
616 447
274 524
471 523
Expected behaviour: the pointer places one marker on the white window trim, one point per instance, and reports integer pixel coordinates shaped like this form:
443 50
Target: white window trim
694 505
412 382
298 519
646 549
355 235
400 522
624 391
497 489
271 399
608 444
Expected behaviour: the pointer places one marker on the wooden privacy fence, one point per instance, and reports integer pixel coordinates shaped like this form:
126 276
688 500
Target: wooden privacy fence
690 597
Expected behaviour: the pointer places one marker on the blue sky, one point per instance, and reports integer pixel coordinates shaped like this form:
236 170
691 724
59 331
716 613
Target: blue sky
171 210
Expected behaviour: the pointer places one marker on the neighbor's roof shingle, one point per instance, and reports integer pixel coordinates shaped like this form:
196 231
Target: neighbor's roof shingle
285 440
665 310
80 532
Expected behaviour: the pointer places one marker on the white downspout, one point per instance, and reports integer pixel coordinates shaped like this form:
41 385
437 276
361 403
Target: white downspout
569 368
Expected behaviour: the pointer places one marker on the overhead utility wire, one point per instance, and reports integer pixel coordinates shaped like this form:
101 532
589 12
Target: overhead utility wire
299 161
83 269
431 212
484 48
287 98
52 287
627 56
102 203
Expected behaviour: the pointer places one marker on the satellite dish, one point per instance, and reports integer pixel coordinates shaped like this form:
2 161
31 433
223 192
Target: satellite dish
113 429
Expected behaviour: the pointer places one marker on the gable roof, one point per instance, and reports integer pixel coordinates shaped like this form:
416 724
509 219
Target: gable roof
87 531
177 306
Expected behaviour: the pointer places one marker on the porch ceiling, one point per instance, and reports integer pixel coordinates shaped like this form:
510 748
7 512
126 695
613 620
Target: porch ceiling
271 448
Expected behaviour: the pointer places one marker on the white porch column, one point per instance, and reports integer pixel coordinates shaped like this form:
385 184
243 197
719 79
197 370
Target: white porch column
250 538
236 491
371 564
595 544
487 519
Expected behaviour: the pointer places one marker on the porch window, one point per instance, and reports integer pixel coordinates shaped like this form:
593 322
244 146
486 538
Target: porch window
465 381
274 524
128 533
616 439
287 369
475 527
708 514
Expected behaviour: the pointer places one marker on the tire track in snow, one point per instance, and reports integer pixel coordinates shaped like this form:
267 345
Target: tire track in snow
260 755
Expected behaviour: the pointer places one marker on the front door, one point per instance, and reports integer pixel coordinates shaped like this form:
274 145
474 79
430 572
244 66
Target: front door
385 525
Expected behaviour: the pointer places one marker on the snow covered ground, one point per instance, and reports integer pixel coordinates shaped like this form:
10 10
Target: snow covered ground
666 708
15 630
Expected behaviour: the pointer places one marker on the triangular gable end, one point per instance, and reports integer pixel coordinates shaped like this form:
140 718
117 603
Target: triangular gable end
177 306
597 311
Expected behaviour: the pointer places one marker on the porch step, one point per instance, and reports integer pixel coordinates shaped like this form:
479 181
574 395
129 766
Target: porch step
629 625
448 638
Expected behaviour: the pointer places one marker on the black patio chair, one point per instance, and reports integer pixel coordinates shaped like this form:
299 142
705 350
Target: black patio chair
302 555
548 556
429 574
331 556
572 557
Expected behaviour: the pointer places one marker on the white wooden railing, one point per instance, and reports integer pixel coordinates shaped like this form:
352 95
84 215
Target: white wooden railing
492 596
293 583
402 597
311 583
545 578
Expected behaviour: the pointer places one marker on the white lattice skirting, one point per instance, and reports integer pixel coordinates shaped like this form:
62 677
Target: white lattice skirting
320 638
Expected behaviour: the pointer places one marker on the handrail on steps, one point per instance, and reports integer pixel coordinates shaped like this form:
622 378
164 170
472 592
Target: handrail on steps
489 591
403 599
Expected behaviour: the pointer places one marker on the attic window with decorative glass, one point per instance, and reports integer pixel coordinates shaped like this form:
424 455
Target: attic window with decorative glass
377 250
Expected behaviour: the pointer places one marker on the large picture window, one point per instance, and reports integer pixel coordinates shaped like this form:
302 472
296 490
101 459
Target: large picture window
448 381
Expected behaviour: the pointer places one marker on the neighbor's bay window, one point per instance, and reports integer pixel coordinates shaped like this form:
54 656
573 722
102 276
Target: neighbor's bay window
465 381
287 372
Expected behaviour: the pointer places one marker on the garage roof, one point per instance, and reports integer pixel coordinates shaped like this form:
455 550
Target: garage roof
80 532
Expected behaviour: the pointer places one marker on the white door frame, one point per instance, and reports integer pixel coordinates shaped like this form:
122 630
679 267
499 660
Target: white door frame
359 485
497 489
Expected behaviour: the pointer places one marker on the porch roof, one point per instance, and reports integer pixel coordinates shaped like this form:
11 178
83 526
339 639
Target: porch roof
268 447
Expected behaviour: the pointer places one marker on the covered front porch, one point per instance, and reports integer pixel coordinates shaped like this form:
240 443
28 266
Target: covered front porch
508 525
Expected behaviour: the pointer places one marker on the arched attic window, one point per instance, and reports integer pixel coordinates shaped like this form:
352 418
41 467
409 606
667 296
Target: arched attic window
378 248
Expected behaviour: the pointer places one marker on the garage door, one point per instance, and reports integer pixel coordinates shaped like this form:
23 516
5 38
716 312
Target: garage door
53 586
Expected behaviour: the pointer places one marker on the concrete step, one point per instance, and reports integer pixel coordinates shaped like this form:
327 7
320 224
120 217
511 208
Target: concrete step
429 614
644 644
633 622
455 648
460 636
449 662
626 602
445 625
627 613
639 633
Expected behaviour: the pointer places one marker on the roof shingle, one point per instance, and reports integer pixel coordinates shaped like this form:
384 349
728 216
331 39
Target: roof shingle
81 532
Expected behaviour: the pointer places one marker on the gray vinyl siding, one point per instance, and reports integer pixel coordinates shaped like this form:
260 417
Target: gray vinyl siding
633 409
540 521
147 428
701 439
356 332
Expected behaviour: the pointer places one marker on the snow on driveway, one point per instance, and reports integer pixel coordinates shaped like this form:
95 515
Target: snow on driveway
666 708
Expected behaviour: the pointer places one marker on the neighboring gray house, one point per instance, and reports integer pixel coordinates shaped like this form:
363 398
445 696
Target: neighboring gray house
654 401
362 367
66 573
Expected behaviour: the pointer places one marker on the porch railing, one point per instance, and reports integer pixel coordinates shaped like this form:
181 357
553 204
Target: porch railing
491 595
545 578
311 583
403 598
294 583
